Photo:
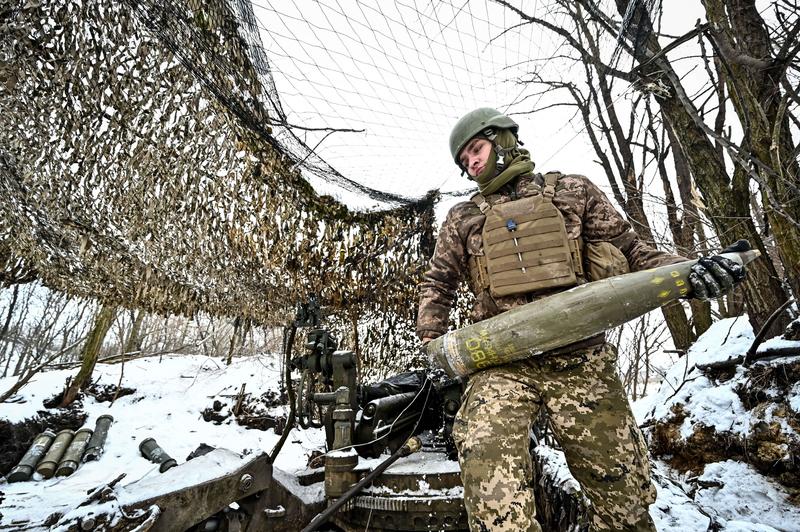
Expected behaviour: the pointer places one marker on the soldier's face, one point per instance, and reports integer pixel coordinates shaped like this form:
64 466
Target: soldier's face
474 156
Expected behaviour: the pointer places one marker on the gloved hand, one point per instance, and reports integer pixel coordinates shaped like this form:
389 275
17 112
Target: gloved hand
713 276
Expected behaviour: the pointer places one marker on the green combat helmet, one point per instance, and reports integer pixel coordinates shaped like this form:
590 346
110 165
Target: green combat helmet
473 123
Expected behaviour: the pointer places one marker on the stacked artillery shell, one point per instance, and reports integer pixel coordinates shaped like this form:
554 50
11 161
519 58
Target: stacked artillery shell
151 450
565 318
94 449
47 466
38 448
72 458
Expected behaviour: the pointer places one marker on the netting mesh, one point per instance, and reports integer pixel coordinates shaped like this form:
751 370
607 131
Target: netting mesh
137 166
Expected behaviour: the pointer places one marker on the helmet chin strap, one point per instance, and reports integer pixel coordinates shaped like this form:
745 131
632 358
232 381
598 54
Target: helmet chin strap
501 152
490 134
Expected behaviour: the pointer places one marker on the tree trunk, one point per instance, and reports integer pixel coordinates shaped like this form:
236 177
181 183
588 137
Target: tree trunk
17 333
7 322
701 315
678 325
133 343
727 199
632 201
690 227
91 350
237 323
754 82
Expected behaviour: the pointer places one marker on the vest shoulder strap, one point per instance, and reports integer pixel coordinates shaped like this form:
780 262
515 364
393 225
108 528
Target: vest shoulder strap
481 202
549 190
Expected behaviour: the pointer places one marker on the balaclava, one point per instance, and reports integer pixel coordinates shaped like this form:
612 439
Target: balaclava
506 162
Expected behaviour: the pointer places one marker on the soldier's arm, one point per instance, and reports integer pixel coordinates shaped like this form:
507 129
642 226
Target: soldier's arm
602 222
437 291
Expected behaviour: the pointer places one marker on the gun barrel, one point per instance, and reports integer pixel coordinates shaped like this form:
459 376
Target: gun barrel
564 318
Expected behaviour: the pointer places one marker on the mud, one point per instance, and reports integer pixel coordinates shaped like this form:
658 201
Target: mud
254 412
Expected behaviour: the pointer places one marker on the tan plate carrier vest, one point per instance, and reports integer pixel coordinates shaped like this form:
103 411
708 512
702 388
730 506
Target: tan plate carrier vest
525 245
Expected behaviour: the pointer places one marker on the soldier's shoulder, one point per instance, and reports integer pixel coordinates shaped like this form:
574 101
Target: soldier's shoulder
572 182
571 179
462 210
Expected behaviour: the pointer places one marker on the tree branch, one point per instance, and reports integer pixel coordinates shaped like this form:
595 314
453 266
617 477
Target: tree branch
750 355
786 52
732 55
585 55
33 371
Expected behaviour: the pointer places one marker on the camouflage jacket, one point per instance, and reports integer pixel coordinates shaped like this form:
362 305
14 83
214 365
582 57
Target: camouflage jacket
587 213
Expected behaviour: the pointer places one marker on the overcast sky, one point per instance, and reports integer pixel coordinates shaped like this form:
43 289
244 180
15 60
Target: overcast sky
405 71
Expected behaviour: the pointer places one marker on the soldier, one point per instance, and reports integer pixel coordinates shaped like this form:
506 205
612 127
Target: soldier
554 231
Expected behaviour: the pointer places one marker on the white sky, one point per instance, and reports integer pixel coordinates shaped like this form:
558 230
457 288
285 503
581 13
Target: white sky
405 71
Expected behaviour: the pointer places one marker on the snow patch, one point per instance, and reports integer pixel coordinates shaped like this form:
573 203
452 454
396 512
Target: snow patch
794 397
745 498
555 466
171 393
674 509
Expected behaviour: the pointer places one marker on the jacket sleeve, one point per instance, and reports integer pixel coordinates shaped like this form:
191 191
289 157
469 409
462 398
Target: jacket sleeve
437 291
602 222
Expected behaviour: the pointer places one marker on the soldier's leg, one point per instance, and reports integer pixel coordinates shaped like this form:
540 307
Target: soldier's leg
491 432
604 448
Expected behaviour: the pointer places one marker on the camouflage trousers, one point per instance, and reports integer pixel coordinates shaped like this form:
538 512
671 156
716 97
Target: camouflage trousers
592 421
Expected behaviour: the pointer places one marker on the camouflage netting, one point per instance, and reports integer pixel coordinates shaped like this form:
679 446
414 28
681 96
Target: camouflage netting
137 167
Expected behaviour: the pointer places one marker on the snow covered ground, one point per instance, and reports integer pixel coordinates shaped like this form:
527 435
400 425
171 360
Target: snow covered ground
734 494
172 392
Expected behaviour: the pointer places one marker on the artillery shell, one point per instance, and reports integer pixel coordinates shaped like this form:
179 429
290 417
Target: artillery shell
94 449
47 466
151 450
564 318
69 463
38 448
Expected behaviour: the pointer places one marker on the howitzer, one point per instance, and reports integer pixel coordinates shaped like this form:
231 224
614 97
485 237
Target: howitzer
564 318
393 408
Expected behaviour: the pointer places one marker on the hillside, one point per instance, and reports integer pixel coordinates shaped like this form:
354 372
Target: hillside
172 399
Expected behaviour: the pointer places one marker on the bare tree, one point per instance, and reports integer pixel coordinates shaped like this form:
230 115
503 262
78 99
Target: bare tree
615 138
90 353
727 197
699 151
12 343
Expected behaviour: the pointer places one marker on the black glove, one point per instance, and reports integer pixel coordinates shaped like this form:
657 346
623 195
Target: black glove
712 276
